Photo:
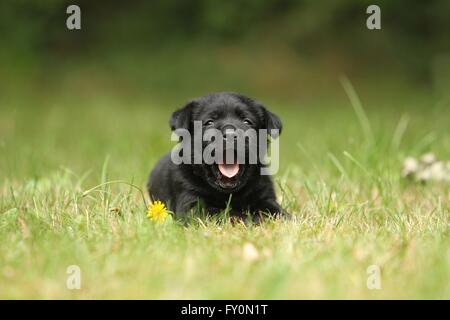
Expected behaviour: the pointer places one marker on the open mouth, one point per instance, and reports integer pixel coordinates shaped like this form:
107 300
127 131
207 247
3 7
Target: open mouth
228 170
228 174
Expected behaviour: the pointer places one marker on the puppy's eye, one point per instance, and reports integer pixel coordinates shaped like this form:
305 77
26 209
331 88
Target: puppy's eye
208 123
248 121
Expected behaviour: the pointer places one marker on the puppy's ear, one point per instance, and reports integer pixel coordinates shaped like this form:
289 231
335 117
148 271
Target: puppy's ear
273 122
181 119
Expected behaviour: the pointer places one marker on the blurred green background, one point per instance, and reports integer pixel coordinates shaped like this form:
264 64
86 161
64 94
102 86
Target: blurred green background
281 49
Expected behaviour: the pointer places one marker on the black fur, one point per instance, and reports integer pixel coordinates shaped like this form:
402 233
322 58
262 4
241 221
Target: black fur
182 186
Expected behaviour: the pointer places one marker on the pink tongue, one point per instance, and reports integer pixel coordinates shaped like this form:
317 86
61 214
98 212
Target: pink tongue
229 170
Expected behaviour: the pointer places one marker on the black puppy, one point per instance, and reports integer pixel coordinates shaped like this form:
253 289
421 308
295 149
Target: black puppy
181 186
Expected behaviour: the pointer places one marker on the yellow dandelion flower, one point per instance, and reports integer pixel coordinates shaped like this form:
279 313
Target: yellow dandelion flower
157 211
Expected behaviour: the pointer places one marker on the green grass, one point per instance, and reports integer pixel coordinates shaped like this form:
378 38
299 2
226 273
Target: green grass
339 177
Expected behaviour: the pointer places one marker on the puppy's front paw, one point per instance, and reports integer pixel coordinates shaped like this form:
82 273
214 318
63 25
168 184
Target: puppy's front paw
270 208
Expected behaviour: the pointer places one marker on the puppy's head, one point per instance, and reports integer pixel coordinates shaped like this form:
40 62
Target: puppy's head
227 113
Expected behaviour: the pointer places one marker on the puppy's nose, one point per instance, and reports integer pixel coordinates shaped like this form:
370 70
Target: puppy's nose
229 132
